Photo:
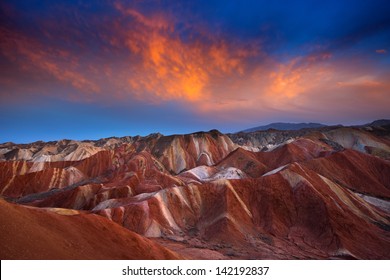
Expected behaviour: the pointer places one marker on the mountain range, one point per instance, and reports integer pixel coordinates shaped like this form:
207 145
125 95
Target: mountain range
285 126
298 126
313 193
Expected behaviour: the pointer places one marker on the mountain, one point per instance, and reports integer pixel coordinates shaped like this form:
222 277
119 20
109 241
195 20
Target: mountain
28 233
285 126
318 193
382 122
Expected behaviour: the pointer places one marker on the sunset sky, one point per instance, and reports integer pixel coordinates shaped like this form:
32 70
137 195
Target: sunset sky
93 69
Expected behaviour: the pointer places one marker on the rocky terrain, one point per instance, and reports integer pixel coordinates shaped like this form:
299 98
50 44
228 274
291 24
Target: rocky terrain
315 193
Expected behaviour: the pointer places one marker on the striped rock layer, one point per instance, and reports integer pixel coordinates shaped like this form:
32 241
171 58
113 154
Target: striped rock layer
313 194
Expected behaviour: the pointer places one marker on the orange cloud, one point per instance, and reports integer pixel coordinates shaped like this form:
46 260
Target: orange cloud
297 76
307 87
381 51
171 68
316 87
159 64
365 81
286 82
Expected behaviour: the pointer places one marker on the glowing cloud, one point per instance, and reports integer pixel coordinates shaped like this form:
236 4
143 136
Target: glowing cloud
171 68
381 51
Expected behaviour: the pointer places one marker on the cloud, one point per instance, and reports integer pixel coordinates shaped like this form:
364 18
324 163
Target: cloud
381 51
136 56
171 68
366 81
31 56
314 87
152 56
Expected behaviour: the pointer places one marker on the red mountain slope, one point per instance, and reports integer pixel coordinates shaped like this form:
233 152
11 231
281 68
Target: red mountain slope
28 233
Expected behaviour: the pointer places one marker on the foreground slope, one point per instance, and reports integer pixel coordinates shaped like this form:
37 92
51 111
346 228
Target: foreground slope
28 233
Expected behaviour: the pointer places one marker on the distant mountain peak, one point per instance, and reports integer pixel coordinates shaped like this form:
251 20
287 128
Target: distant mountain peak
285 126
381 122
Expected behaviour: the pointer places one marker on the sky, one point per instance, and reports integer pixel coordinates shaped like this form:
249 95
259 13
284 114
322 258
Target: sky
93 69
